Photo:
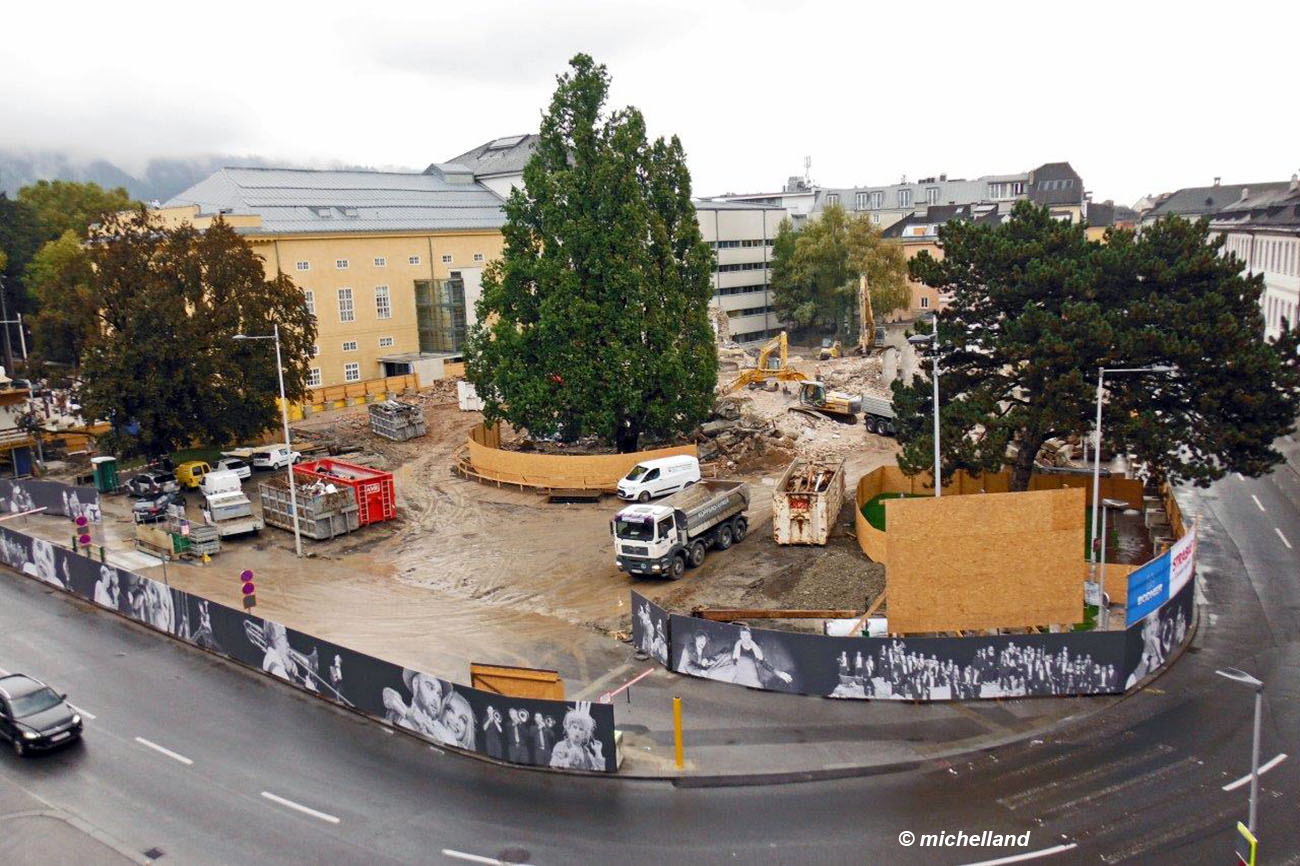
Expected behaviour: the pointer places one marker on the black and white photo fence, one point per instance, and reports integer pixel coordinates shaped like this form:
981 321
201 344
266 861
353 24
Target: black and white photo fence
28 494
542 733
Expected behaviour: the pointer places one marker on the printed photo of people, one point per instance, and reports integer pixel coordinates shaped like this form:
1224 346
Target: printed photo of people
280 659
1158 634
736 654
650 628
434 709
148 601
56 498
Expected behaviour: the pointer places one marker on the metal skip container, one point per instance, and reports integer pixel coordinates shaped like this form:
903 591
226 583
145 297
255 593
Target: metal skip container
324 511
806 501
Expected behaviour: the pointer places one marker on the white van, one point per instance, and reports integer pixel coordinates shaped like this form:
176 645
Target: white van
659 477
274 457
220 481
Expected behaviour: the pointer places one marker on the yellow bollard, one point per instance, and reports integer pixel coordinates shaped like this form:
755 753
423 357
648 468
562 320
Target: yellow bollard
677 730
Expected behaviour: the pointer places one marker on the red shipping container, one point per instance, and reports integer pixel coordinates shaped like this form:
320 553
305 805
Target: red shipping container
373 489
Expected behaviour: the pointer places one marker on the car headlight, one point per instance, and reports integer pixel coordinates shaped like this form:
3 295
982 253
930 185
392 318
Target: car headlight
30 735
76 719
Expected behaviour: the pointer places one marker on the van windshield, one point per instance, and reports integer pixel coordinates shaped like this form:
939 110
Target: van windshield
634 530
637 472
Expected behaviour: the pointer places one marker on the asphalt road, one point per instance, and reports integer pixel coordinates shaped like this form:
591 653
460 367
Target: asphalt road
205 762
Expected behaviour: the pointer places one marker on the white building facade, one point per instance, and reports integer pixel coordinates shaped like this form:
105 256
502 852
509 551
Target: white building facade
742 236
1263 230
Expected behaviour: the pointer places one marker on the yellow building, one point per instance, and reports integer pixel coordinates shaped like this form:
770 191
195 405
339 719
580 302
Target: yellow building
390 264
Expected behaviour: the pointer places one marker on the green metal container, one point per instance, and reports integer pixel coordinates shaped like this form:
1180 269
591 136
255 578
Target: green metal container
105 473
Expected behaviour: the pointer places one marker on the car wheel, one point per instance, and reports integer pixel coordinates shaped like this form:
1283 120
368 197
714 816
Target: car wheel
740 528
678 568
644 497
697 554
725 537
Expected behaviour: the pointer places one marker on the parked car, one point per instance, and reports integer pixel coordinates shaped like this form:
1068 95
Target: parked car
235 465
275 457
152 483
190 473
149 509
33 716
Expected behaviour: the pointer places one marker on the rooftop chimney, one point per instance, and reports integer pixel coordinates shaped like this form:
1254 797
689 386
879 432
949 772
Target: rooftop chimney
1216 181
1295 182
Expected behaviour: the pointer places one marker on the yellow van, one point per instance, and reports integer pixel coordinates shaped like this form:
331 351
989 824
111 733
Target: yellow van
190 473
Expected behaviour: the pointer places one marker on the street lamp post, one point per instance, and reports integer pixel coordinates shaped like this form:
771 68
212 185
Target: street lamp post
22 338
284 417
1096 445
1246 679
1103 609
932 340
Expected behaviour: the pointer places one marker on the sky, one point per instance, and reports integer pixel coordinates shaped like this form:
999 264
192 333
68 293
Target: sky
1139 96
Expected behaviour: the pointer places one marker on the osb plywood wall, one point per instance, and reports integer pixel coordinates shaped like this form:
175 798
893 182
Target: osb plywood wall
585 472
998 560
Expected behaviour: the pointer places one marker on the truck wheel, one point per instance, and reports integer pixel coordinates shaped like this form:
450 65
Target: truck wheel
889 428
678 568
644 497
697 554
739 528
725 537
871 424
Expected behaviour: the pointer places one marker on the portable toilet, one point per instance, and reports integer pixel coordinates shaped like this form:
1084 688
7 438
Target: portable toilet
105 473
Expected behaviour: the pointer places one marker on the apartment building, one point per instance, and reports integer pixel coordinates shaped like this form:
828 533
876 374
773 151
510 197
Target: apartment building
741 236
1262 228
389 263
920 231
1194 202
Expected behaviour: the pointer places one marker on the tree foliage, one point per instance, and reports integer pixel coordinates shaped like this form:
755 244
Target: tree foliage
162 364
20 238
64 205
1037 308
59 279
816 270
595 320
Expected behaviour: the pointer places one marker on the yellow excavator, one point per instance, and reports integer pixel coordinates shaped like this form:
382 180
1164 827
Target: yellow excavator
769 367
816 399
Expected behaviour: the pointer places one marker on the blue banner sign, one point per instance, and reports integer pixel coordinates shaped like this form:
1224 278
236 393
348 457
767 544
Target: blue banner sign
1148 588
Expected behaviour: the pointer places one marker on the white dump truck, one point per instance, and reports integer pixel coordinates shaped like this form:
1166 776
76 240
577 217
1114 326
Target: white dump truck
806 501
878 413
226 507
662 539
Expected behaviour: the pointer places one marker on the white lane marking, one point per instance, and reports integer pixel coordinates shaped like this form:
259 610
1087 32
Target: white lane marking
1263 768
168 752
1283 537
77 709
1257 502
306 810
1028 855
472 858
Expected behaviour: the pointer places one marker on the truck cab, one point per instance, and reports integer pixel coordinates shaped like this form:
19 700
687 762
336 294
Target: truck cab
647 532
663 539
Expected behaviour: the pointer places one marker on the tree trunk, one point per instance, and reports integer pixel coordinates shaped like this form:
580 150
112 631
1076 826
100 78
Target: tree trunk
1026 450
628 437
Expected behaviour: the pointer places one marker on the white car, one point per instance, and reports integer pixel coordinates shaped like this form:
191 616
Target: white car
275 457
235 465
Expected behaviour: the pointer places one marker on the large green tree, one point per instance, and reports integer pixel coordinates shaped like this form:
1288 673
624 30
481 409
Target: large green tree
816 271
65 205
59 278
595 320
162 365
1037 308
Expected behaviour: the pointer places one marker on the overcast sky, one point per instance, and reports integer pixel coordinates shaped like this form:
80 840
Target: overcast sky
1139 96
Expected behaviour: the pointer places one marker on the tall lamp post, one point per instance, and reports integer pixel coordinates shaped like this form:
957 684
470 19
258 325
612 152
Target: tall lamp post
932 340
284 417
1246 679
1096 456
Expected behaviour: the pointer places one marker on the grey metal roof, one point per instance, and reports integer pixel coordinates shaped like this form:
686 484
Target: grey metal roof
1203 200
704 204
1055 183
299 201
506 155
1264 206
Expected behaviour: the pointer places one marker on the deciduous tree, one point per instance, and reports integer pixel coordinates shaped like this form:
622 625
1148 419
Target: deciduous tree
59 278
595 320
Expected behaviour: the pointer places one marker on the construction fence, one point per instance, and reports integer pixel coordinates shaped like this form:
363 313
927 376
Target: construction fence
352 394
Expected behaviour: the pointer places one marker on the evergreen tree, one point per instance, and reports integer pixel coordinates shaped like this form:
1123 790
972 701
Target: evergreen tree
595 320
1037 309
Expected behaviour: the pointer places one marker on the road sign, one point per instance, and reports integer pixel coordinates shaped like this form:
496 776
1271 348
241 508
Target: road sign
248 589
81 520
1247 846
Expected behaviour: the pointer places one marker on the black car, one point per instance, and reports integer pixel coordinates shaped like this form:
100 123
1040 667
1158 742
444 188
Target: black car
34 717
149 509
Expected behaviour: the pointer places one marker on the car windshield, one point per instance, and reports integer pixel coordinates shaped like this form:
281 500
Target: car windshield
37 702
634 530
234 464
637 472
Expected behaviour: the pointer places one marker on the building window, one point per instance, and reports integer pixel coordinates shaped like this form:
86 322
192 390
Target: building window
832 198
446 259
350 345
313 377
315 351
860 201
352 372
304 266
381 262
877 199
440 313
383 303
925 303
346 311
413 260
1018 188
341 264
309 300
932 195
904 198
478 257
385 342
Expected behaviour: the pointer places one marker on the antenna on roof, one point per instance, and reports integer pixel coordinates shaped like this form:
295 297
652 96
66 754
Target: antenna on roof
807 169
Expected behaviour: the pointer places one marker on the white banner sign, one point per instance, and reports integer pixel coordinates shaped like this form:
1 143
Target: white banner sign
1182 562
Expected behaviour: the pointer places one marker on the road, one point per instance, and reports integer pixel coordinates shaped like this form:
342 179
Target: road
203 762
